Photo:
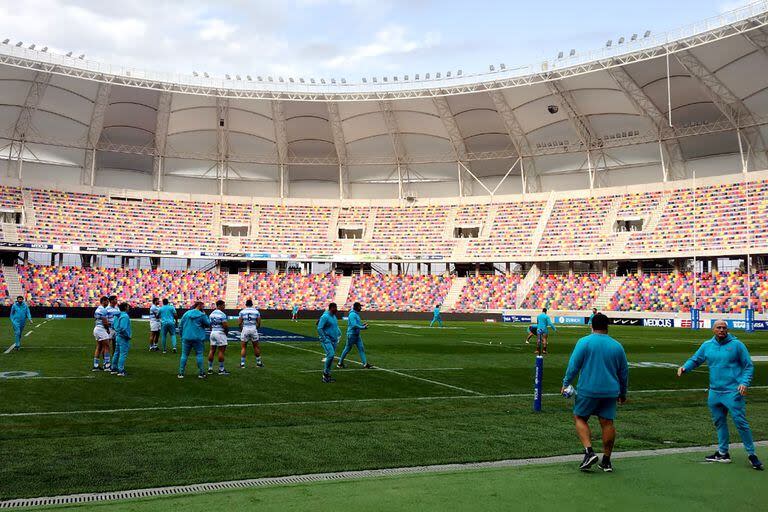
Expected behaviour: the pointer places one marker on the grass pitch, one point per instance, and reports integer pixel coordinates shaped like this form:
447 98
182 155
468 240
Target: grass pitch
459 394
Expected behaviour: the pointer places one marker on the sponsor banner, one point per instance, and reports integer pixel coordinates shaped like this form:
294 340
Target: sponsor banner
490 320
25 245
658 322
257 255
321 257
579 320
758 325
625 321
685 323
55 317
434 257
509 317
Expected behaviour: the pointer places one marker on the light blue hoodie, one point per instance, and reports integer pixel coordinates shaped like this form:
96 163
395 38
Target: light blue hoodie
729 363
603 366
328 328
193 325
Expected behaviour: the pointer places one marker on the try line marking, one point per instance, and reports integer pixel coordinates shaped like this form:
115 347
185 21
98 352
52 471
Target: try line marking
322 402
380 369
391 371
335 477
8 350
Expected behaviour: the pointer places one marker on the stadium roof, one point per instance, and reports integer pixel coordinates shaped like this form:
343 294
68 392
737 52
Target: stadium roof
589 120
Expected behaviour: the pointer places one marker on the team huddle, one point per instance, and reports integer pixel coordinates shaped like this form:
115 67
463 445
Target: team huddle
113 334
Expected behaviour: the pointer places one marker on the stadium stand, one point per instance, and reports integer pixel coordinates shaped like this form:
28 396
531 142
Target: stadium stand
407 232
564 291
4 295
383 292
283 291
488 292
82 287
576 227
510 233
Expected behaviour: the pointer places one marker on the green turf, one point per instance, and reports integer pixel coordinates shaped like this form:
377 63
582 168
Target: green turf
293 424
671 482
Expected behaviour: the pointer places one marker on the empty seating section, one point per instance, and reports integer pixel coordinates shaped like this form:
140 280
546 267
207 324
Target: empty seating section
408 232
716 292
471 215
564 291
577 226
757 194
283 291
511 232
488 292
10 198
82 287
638 205
379 292
235 213
353 216
73 218
293 230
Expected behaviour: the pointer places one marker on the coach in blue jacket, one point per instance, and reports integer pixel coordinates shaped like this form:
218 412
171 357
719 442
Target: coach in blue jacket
730 374
601 364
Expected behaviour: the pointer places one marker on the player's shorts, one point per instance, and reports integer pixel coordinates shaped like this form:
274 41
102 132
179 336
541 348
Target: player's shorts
154 325
249 334
532 329
112 333
101 333
543 332
585 407
218 339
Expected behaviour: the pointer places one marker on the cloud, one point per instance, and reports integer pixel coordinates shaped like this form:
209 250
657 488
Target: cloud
216 30
730 6
389 41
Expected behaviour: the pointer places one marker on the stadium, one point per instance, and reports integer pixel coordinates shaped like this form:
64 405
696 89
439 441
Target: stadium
632 181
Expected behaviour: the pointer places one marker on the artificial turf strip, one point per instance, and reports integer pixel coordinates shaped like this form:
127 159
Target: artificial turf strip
52 455
670 482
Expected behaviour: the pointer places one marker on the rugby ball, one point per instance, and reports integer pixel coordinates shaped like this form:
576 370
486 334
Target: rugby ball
568 392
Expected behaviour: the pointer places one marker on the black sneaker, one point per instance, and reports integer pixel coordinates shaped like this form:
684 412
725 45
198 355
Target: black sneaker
223 372
340 365
589 461
327 379
210 371
202 376
367 366
719 457
260 365
174 350
605 465
756 464
95 369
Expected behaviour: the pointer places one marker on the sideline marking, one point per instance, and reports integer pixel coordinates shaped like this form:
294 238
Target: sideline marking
72 499
9 349
376 368
514 347
325 402
464 390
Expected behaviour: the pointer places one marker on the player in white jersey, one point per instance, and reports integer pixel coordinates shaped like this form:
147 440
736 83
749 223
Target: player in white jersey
250 323
219 329
154 324
101 334
112 312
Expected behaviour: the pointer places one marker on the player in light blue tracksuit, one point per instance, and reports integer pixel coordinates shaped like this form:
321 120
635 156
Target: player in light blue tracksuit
123 334
354 326
543 323
730 375
329 333
168 318
193 336
436 316
19 316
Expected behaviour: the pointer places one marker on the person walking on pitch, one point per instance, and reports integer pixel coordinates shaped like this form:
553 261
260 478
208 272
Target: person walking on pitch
19 316
295 313
436 317
601 365
730 375
543 323
354 326
192 330
123 334
329 334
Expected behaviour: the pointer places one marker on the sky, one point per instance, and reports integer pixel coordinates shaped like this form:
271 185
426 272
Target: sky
336 38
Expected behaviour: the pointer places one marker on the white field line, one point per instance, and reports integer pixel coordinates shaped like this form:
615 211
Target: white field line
325 402
8 350
492 345
457 388
404 333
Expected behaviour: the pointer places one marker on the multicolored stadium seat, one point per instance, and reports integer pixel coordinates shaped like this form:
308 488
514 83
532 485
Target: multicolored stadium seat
82 287
4 295
283 291
488 292
564 291
384 292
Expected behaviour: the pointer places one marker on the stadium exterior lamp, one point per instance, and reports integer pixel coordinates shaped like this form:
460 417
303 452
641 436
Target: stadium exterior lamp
608 43
426 77
238 77
573 52
459 72
69 54
290 79
447 74
502 66
647 34
81 56
492 68
438 75
374 80
206 75
333 81
248 77
384 79
344 81
32 46
228 77
621 40
281 79
322 81
633 38
259 78
194 73
365 80
18 45
269 79
301 80
6 40
560 55
416 77
312 81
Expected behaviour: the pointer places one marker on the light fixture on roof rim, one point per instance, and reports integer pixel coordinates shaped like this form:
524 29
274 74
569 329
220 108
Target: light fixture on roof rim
344 81
621 40
301 80
194 73
227 77
312 80
647 34
502 66
383 79
438 75
260 78
426 77
206 75
375 80
44 49
459 72
492 68
81 56
573 52
447 74
32 46
394 78
416 77
290 79
6 40
608 43
238 77
333 81
18 45
269 78
69 54
560 55
280 79
248 77
365 80
633 38
322 81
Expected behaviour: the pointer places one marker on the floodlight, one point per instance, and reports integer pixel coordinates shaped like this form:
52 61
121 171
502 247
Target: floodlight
384 79
312 80
426 77
416 77
633 38
206 75
502 66
375 80
248 77
194 73
32 46
560 55
608 43
492 68
45 49
406 78
269 78
344 81
322 81
647 33
238 77
301 80
621 40
459 72
394 79
18 45
280 79
228 77
447 74
333 81
290 79
259 78
573 52
365 80
81 56
6 41
69 54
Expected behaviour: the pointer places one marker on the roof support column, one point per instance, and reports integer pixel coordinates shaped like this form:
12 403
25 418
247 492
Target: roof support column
281 144
23 124
161 137
339 142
